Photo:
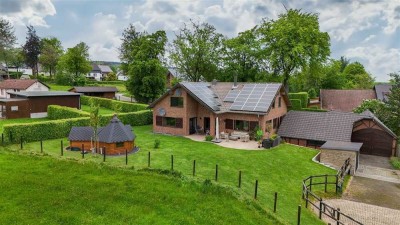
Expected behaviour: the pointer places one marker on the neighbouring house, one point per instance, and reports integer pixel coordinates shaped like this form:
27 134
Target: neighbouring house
33 104
3 72
116 138
17 85
25 70
344 100
314 129
99 72
102 92
202 107
382 90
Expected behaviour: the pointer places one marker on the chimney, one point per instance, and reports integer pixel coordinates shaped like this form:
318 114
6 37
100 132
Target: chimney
235 81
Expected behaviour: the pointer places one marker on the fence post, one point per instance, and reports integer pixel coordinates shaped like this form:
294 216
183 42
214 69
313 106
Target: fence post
255 190
62 148
240 179
11 137
194 167
83 151
275 200
41 146
148 160
104 153
21 143
311 183
126 157
298 214
326 181
2 138
337 181
216 172
338 216
307 197
320 209
172 162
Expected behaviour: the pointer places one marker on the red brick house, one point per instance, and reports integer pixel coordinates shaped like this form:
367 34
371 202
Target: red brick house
192 106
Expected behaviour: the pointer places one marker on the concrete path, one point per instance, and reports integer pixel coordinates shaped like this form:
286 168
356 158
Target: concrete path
120 97
365 213
378 173
375 161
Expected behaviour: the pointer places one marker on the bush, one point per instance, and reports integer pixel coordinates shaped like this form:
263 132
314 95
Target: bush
209 138
302 96
395 161
105 82
296 104
63 79
118 106
312 93
55 112
157 143
60 128
273 137
313 110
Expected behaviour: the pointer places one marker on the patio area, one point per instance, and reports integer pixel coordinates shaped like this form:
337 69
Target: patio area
249 145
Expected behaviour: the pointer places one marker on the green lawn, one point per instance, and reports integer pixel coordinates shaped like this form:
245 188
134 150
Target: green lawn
20 120
102 111
44 190
55 87
280 169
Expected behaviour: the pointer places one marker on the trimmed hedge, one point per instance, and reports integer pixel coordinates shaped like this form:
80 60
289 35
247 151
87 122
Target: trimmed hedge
60 128
296 104
313 110
56 112
114 104
302 96
105 82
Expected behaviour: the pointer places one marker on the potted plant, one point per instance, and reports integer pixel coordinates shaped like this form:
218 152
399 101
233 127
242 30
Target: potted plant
259 135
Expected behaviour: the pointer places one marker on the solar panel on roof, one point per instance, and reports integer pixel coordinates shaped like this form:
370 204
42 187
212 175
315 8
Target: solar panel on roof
203 92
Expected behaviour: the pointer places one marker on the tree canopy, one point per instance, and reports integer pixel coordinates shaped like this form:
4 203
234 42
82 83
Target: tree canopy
7 41
75 62
32 49
141 55
51 51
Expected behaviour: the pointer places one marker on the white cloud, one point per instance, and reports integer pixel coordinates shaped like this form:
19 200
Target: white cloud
27 12
378 60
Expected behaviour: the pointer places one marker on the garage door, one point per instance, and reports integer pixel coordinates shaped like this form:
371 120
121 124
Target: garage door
376 142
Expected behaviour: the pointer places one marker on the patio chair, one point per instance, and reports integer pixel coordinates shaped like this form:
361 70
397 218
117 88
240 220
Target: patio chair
199 129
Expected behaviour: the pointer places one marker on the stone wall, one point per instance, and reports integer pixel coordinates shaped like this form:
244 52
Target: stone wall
336 158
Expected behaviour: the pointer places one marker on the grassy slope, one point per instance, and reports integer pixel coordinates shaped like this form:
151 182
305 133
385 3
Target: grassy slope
42 190
20 120
278 170
102 111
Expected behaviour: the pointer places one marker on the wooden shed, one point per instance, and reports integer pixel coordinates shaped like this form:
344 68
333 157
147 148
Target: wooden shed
102 92
116 138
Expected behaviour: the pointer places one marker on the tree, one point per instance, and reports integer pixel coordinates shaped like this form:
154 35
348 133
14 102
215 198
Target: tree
334 78
391 113
343 63
196 51
357 76
7 41
141 55
51 51
17 58
241 57
111 77
373 105
293 41
75 62
32 49
94 122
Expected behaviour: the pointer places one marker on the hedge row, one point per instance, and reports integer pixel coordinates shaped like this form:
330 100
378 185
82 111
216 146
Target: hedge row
296 104
56 112
313 110
60 128
105 82
302 96
118 106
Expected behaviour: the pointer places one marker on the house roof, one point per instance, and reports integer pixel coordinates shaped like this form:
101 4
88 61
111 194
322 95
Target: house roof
114 132
222 97
381 90
94 89
342 145
18 84
42 93
324 126
344 100
105 68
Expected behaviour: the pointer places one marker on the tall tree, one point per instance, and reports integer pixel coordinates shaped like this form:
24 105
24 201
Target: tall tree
141 55
51 51
17 58
293 42
241 57
32 49
76 62
7 41
196 51
391 114
357 76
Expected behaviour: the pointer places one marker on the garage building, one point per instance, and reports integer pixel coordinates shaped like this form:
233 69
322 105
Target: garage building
313 129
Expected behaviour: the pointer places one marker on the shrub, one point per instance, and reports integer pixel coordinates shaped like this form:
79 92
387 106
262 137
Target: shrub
60 128
302 96
157 143
313 110
312 93
113 104
209 138
395 161
273 137
55 112
296 104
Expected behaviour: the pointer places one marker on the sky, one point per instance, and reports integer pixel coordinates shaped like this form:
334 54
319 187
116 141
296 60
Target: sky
367 31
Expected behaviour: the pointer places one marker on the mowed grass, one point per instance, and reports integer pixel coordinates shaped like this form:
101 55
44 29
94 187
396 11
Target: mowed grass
102 111
44 190
280 169
20 120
